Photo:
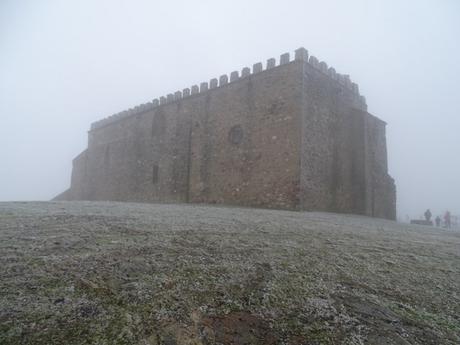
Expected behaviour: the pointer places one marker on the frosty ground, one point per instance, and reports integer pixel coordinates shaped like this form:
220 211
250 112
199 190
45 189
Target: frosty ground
126 273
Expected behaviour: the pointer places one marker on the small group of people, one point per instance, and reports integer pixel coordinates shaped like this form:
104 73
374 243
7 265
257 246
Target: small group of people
437 220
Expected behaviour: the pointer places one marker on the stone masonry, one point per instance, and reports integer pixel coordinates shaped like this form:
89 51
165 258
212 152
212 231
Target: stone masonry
291 136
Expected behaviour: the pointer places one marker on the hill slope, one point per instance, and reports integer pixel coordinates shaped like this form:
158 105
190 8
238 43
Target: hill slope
121 273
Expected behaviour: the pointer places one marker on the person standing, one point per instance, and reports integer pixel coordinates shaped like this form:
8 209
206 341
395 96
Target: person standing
447 220
428 215
437 221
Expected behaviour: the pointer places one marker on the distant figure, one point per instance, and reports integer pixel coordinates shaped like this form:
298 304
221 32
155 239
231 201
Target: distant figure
438 221
428 215
447 220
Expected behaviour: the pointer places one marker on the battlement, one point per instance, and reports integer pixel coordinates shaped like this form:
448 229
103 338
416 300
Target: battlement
300 55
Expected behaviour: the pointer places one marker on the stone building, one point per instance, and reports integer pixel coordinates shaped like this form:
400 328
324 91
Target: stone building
294 135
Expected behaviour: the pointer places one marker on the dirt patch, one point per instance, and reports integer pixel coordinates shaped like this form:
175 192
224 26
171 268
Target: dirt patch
237 329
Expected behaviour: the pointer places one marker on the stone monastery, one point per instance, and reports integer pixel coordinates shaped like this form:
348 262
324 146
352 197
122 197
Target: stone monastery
294 135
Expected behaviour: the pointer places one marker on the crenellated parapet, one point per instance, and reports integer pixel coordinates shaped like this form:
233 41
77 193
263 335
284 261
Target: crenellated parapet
301 55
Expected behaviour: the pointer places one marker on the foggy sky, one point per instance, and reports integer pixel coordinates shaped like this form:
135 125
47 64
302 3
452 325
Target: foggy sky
65 64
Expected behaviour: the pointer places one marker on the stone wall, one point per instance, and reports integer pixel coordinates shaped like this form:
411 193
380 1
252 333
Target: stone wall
79 179
380 187
245 141
235 142
294 136
332 160
143 158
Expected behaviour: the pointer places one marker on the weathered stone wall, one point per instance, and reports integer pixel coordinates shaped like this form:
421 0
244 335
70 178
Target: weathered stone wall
246 141
79 179
236 144
332 160
292 136
380 187
344 157
144 157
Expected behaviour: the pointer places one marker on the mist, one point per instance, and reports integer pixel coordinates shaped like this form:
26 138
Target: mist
64 65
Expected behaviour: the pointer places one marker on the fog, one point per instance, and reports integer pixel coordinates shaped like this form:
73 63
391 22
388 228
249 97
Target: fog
65 64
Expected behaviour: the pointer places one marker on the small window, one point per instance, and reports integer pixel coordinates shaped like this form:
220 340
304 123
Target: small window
155 174
235 135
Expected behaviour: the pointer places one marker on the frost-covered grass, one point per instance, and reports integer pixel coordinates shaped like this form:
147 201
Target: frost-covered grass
125 273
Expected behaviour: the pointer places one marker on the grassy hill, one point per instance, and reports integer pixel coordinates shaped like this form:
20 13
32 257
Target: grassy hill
125 273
